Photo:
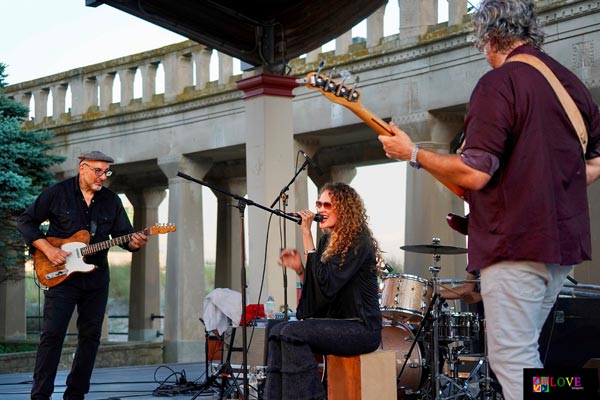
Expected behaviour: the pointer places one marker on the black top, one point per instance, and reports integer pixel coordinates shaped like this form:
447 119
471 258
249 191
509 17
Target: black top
347 291
64 207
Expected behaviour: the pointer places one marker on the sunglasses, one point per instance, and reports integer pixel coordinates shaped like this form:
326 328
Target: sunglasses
323 204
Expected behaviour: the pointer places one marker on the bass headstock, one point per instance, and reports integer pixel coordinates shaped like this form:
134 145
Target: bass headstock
336 91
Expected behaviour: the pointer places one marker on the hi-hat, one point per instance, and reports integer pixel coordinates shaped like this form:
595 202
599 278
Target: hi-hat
434 248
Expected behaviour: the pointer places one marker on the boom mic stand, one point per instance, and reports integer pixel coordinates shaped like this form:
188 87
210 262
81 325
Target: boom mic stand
242 203
284 197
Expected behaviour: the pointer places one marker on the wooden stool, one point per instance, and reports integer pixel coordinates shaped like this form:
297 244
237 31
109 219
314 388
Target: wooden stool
369 376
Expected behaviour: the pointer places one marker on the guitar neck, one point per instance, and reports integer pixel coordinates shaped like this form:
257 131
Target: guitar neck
383 128
107 244
349 97
374 122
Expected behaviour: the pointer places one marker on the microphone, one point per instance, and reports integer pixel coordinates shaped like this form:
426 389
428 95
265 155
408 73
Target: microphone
312 163
316 218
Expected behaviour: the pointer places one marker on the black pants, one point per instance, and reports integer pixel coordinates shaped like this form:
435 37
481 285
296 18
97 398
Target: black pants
292 368
60 301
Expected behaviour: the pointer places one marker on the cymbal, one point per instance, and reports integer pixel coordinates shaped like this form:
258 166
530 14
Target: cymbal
434 248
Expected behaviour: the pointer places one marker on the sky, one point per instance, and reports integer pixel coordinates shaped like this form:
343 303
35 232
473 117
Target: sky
41 37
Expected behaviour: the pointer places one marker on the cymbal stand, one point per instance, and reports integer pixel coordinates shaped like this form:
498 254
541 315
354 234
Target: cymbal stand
428 314
434 269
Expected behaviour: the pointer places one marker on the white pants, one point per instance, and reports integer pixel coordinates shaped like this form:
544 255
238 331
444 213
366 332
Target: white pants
517 298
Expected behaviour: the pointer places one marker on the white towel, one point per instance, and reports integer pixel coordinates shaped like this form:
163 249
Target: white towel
219 305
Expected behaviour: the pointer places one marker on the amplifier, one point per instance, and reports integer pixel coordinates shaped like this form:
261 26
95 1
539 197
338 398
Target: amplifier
569 333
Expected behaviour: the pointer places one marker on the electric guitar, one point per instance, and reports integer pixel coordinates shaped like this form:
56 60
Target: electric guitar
50 275
349 97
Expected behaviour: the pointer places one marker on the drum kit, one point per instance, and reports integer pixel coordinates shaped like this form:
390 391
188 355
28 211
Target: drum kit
441 354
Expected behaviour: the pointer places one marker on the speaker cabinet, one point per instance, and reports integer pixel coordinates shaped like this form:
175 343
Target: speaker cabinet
570 335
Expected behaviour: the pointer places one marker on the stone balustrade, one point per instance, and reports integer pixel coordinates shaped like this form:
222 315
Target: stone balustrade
90 91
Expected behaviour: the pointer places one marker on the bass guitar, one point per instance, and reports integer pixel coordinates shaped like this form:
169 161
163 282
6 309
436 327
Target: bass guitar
350 97
50 275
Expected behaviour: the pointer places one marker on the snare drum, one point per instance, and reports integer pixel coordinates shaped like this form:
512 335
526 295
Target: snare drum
405 298
459 326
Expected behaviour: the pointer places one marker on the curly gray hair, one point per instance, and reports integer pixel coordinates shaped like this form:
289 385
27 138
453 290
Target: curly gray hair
502 22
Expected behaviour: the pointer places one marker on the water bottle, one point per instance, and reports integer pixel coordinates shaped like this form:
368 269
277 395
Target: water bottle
270 307
252 386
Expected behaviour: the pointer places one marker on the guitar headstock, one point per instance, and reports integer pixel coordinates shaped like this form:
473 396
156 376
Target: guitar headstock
160 228
337 92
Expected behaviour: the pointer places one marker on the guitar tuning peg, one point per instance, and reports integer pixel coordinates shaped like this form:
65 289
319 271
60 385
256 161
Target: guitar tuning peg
330 85
321 64
341 90
353 94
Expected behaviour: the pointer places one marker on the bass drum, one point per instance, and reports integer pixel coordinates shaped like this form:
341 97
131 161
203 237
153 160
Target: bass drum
400 338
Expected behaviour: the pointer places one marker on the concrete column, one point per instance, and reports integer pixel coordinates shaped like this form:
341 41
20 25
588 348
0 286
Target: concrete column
343 42
375 27
338 173
225 68
428 202
59 94
229 246
148 72
106 82
313 56
24 99
457 9
178 74
415 17
126 76
84 94
269 166
12 308
144 289
184 288
202 61
40 98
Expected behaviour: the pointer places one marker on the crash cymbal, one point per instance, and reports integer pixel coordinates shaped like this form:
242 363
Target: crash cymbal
434 248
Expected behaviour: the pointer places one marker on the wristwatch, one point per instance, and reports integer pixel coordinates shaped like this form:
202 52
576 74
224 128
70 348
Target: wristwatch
413 158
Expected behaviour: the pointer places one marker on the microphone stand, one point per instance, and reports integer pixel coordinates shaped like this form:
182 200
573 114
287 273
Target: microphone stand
284 197
242 203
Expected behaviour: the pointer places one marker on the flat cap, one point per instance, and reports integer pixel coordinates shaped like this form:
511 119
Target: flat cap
95 155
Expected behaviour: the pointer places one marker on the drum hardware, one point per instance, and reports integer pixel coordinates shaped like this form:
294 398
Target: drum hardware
448 332
417 335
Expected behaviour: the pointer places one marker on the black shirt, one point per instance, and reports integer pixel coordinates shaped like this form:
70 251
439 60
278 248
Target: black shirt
64 207
342 291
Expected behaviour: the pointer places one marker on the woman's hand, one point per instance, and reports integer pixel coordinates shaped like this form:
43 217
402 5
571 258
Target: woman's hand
307 219
290 258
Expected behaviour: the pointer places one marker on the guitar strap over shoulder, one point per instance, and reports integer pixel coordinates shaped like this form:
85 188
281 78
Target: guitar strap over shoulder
564 97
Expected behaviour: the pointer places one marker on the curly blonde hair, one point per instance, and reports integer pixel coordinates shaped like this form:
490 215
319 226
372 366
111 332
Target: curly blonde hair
351 221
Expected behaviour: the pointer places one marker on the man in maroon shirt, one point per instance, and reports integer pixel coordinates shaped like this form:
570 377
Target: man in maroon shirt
525 178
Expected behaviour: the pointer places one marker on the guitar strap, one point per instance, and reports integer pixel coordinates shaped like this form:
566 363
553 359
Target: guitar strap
564 97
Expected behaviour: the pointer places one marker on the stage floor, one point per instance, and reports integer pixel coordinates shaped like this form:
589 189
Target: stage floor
137 382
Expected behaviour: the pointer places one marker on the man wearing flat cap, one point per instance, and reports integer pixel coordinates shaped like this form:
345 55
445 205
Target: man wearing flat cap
75 204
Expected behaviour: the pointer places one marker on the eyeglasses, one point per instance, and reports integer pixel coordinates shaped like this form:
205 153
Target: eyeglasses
323 204
98 171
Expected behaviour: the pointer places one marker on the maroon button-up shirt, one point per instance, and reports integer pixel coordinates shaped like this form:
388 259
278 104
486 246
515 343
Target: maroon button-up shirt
535 206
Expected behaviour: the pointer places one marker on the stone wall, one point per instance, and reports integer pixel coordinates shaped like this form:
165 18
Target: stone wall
109 355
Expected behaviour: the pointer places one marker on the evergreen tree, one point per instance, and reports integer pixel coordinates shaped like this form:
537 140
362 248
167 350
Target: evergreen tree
24 164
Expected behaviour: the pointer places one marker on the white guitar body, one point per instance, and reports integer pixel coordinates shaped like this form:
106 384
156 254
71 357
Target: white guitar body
74 262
